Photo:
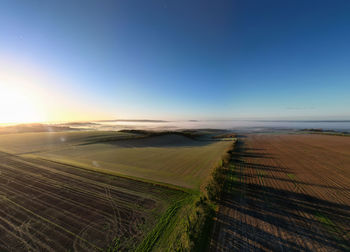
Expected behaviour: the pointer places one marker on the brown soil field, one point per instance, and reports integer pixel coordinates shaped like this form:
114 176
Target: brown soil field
46 206
286 193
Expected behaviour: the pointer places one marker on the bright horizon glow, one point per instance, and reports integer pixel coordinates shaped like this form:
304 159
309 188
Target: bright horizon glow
17 107
174 60
30 95
19 101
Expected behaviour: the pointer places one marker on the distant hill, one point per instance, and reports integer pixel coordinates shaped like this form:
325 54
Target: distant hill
125 120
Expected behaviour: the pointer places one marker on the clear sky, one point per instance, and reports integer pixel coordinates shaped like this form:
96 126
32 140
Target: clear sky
81 60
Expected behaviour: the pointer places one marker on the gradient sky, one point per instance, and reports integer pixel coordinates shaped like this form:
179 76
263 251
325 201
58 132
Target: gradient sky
80 60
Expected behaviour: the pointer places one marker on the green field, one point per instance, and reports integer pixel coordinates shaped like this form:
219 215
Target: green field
171 159
66 176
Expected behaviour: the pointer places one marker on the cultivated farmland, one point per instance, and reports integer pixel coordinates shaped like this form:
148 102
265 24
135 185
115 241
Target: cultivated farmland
286 193
59 190
169 158
46 206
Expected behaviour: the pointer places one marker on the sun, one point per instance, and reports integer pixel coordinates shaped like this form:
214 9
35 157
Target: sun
17 106
31 93
20 98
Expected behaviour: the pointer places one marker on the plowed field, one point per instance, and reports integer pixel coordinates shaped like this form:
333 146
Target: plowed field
286 193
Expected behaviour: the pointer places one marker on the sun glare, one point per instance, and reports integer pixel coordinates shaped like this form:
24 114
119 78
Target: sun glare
17 107
19 101
30 94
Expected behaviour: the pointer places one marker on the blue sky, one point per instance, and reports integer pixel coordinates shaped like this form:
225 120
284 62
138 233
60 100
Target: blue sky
182 59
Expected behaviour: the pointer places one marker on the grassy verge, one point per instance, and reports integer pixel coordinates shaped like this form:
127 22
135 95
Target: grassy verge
160 238
187 224
184 227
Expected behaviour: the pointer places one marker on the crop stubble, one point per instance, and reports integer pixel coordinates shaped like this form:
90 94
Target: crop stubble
49 206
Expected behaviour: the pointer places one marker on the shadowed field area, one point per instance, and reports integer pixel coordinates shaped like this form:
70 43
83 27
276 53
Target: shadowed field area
286 193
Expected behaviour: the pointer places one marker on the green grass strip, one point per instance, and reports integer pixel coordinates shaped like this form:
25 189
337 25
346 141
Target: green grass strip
164 223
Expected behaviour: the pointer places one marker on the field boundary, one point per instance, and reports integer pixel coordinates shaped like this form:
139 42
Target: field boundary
186 225
165 223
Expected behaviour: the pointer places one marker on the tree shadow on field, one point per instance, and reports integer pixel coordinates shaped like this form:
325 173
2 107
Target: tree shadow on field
258 217
170 140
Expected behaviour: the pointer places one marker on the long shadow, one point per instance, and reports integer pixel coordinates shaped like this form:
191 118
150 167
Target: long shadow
288 180
258 217
158 141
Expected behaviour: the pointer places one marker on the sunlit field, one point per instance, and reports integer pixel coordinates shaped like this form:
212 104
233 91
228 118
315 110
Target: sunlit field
171 159
93 190
187 126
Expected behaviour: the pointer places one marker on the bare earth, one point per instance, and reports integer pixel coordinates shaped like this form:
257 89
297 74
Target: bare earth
286 193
